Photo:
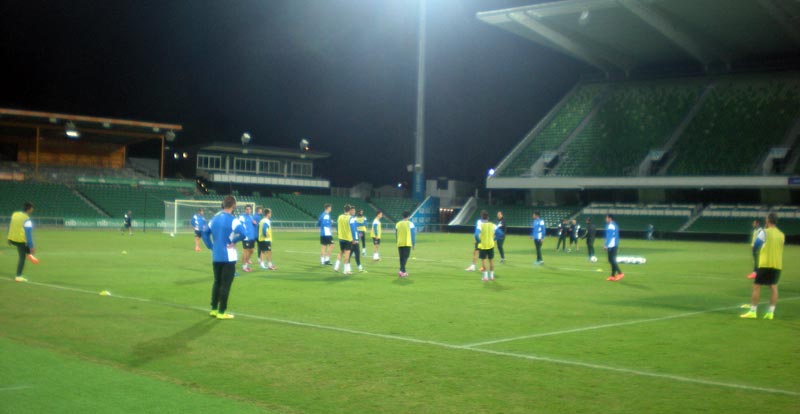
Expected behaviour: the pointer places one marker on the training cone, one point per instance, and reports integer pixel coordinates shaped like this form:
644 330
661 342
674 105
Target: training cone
33 259
105 293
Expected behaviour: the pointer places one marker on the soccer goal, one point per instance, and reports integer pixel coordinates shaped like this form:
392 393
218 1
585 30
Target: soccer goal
178 214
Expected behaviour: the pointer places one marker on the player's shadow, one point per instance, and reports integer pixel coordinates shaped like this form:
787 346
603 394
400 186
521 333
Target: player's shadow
184 282
634 285
403 281
175 344
677 302
495 286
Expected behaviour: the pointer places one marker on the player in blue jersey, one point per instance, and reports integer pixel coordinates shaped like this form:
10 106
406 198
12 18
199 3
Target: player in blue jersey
612 246
756 242
251 228
574 232
221 236
501 236
563 231
471 267
589 236
198 224
127 223
325 235
538 231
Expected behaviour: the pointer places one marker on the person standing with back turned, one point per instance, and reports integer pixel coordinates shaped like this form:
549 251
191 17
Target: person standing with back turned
20 235
406 240
537 234
221 236
612 246
770 263
501 236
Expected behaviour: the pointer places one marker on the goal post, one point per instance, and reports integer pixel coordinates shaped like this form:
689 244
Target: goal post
178 214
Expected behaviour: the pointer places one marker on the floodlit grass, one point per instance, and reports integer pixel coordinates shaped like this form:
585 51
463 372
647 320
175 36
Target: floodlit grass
551 339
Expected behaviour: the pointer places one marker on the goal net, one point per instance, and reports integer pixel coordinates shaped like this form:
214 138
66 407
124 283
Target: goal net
178 214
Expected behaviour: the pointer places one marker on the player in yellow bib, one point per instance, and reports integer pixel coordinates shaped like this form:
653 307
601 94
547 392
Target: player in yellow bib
770 263
485 235
347 239
406 239
361 227
375 232
265 240
20 235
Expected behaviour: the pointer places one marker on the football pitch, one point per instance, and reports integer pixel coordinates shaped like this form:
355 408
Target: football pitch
556 338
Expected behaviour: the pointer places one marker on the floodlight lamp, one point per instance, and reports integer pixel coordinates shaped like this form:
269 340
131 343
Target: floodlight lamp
246 138
305 145
71 131
583 19
185 155
176 155
170 136
491 172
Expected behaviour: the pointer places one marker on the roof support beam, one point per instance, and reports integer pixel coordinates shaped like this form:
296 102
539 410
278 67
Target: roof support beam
574 48
667 28
782 18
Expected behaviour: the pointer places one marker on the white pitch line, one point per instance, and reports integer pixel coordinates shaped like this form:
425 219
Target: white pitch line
461 347
15 388
608 325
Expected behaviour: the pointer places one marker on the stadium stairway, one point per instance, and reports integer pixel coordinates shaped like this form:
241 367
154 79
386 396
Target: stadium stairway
89 202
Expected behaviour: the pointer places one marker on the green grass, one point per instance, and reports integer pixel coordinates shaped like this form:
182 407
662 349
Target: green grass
550 339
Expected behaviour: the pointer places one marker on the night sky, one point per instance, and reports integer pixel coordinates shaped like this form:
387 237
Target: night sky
341 73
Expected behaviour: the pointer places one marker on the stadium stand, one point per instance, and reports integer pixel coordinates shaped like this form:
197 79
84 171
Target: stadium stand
49 200
563 122
636 117
312 204
69 174
664 217
754 111
143 201
738 219
522 216
393 207
281 209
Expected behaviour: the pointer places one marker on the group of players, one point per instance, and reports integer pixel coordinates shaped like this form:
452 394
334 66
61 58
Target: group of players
490 235
351 230
224 230
257 229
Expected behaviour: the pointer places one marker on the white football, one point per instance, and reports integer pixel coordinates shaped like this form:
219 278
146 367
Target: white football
593 259
172 235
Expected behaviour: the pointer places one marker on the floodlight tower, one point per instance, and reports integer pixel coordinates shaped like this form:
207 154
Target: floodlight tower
419 153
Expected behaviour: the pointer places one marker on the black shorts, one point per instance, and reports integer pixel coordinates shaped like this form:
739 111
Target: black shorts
127 225
326 240
345 245
767 276
486 254
248 244
198 233
265 246
376 242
